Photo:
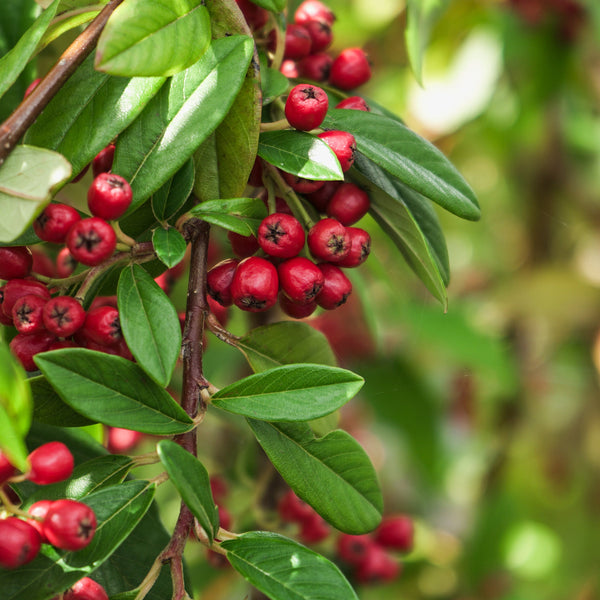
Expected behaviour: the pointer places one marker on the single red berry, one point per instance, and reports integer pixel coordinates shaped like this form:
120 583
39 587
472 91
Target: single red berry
349 204
354 103
19 543
54 222
219 489
314 529
255 285
306 107
91 241
350 69
109 196
354 549
121 441
39 510
50 463
321 197
27 313
15 262
360 248
63 316
328 240
281 235
289 69
396 533
17 288
291 508
218 281
343 145
69 525
315 66
221 312
313 10
243 246
31 87
300 279
103 161
377 567
297 42
25 346
300 184
294 309
103 301
42 263
255 16
336 287
7 470
86 589
102 326
65 263
320 34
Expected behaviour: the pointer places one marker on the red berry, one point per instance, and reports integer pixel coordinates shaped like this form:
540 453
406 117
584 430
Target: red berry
4 319
354 103
291 508
19 543
218 281
50 463
91 241
31 87
360 248
103 301
42 263
300 184
69 525
320 35
281 235
354 549
54 223
343 145
321 197
102 326
306 107
109 196
349 204
396 533
314 529
294 309
300 279
15 262
297 42
350 69
27 313
65 263
103 161
378 566
63 316
289 69
315 66
25 346
120 441
60 344
255 16
17 288
39 510
336 287
255 285
7 470
243 246
221 312
311 10
86 589
328 240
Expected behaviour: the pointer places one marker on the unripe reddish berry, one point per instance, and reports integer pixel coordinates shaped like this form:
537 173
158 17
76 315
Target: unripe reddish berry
336 287
354 549
255 16
315 66
27 313
102 326
109 196
39 509
289 69
7 470
69 525
343 145
19 543
311 10
120 441
25 346
294 309
297 42
86 589
50 463
354 103
320 34
377 567
306 107
300 279
17 288
328 240
291 508
349 204
321 197
255 285
350 69
218 281
281 235
360 248
103 161
63 316
15 262
54 222
243 246
91 241
300 184
396 533
65 263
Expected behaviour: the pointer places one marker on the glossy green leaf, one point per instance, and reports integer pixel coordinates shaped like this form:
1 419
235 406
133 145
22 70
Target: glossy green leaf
167 200
335 463
15 409
13 63
285 570
28 178
301 154
113 391
195 101
290 393
273 82
413 160
287 342
153 38
169 246
149 323
190 478
65 23
242 215
89 111
272 5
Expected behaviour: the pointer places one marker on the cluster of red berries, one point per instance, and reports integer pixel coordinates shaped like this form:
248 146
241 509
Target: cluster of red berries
65 524
313 528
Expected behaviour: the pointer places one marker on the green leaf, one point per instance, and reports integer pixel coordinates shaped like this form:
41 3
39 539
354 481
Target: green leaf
149 323
413 160
153 38
15 61
287 342
242 215
15 409
335 463
113 391
272 5
65 23
167 200
290 393
28 178
195 101
190 478
89 111
169 246
273 82
301 154
285 570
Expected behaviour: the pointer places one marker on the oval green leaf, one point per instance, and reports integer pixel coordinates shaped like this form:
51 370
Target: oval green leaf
167 200
242 215
169 246
113 391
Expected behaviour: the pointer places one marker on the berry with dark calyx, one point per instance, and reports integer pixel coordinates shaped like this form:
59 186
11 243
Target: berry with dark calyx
354 549
320 35
17 288
65 263
120 441
19 543
306 107
103 161
297 42
360 248
218 281
291 508
50 463
255 16
294 309
313 10
396 533
343 145
91 241
349 204
313 529
15 262
39 509
63 316
354 103
300 279
281 235
54 222
350 69
86 589
315 66
289 69
102 326
377 567
336 287
328 240
255 284
243 246
69 525
109 196
27 313
300 184
25 346
7 470
321 197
